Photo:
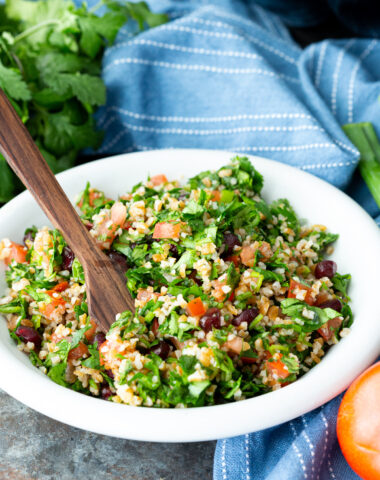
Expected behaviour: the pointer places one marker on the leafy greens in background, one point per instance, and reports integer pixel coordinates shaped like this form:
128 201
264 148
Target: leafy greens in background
364 137
50 63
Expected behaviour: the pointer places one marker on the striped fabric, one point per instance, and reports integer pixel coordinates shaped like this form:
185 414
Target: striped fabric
227 75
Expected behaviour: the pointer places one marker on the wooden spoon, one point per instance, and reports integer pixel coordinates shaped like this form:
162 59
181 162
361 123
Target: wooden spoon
107 293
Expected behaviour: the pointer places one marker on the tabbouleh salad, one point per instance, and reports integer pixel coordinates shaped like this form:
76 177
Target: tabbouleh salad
233 295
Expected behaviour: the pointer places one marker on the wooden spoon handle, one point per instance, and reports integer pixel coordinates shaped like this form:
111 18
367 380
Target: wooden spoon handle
24 158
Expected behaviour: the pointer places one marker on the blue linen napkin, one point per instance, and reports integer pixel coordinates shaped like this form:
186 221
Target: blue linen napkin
227 75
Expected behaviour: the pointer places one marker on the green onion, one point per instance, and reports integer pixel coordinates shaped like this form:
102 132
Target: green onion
256 321
363 136
227 196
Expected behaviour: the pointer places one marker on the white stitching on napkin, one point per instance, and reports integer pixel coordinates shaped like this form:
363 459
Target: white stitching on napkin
224 471
315 166
219 131
330 465
347 147
320 64
336 73
227 118
247 463
296 449
181 48
365 54
205 68
287 148
325 444
242 33
311 446
230 16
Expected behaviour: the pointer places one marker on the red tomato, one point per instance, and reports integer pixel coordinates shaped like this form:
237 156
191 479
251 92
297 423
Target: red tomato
92 196
146 295
300 286
158 179
217 290
235 259
48 309
60 287
235 345
196 307
277 367
17 252
90 333
215 196
358 424
166 230
77 352
56 302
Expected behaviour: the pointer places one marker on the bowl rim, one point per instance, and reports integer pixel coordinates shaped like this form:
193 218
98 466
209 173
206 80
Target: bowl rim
178 425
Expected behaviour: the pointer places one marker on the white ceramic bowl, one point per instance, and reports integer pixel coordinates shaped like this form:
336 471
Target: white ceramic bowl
357 252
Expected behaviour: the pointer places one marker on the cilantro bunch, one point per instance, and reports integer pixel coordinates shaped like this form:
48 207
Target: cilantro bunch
50 63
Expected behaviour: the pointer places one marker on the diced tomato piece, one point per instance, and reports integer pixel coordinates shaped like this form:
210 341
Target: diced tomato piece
196 307
118 214
235 345
90 333
56 304
231 298
327 330
217 289
277 367
77 352
158 179
111 221
145 295
300 286
92 196
215 196
60 287
235 259
13 252
166 230
248 255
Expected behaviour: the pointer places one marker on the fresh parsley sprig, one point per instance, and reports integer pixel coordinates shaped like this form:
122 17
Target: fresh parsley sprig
50 63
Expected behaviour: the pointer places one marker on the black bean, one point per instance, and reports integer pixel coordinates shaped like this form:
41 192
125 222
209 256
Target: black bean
162 349
110 373
100 338
230 241
211 319
245 316
106 392
29 235
326 268
67 258
335 304
28 334
173 251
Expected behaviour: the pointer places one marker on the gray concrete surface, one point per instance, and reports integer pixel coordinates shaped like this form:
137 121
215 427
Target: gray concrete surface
34 447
